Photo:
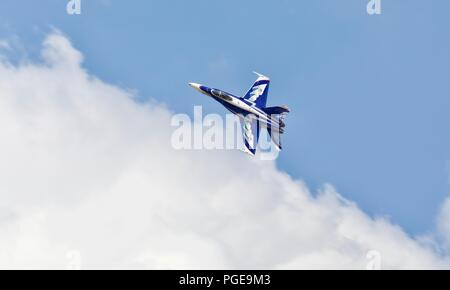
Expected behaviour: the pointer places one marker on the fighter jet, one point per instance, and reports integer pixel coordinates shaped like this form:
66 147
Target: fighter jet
252 110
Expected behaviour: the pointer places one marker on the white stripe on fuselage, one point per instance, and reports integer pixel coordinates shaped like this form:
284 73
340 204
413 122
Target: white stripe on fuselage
251 109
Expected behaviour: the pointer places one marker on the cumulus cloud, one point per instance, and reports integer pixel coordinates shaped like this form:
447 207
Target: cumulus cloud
88 177
444 222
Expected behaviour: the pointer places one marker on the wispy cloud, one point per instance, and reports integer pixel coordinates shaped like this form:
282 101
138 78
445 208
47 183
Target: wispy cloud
4 44
86 169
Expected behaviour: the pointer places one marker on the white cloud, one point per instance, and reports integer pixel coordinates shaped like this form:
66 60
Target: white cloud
444 222
85 169
4 44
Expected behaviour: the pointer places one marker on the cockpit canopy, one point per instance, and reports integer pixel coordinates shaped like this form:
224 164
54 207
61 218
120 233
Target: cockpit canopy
221 94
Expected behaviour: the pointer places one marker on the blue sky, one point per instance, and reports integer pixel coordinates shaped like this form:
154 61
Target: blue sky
369 94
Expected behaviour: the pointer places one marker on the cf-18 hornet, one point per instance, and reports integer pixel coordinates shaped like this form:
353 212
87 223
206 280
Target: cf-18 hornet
252 110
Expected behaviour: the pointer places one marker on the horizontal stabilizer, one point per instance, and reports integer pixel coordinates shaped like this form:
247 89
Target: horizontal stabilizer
276 110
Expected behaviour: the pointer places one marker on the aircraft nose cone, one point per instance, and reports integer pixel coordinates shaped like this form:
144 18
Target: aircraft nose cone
194 85
197 87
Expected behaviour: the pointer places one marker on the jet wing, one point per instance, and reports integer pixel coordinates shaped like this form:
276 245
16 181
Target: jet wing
275 136
250 133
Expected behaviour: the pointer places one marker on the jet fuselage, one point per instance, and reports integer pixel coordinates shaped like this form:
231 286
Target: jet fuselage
240 106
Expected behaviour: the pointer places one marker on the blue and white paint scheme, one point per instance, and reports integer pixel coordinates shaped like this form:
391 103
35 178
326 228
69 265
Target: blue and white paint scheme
252 109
